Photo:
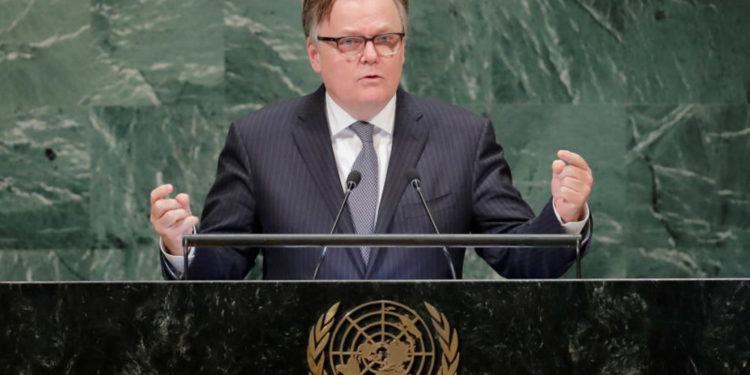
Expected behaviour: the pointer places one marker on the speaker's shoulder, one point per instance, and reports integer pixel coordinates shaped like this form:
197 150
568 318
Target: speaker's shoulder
442 114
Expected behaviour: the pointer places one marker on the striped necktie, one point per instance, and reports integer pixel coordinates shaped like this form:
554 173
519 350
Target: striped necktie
363 201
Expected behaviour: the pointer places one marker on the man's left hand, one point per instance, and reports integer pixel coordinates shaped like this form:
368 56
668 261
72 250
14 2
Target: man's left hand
571 185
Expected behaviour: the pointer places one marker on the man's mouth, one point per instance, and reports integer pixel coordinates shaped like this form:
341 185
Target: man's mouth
371 76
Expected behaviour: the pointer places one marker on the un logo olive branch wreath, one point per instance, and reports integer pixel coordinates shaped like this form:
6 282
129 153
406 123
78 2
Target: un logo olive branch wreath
320 335
448 342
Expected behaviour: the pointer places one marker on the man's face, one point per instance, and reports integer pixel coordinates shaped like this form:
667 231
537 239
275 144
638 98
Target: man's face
362 84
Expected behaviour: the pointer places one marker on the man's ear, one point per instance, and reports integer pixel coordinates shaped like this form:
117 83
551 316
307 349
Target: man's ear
313 54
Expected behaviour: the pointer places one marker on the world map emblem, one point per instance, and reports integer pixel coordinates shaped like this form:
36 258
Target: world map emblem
382 338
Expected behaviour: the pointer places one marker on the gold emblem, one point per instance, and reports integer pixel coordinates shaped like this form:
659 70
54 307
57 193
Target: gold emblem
382 338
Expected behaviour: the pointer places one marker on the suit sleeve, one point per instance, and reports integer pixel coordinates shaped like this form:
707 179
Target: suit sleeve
498 207
229 208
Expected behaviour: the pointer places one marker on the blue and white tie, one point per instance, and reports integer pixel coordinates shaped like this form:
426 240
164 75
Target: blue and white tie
363 201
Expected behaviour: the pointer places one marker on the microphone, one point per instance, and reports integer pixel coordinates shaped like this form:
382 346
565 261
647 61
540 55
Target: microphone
352 180
413 177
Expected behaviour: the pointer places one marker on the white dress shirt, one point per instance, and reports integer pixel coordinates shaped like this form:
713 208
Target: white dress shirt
346 148
347 145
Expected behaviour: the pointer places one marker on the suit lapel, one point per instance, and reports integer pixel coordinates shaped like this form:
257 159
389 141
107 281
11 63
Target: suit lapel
409 138
313 139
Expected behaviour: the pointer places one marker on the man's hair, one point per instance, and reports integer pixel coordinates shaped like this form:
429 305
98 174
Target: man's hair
315 11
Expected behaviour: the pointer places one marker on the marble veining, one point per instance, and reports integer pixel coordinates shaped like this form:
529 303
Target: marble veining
527 327
101 100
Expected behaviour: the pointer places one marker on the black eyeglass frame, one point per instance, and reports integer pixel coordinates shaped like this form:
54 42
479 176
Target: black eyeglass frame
366 39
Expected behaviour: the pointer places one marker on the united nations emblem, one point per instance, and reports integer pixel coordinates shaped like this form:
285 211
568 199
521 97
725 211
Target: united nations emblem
382 338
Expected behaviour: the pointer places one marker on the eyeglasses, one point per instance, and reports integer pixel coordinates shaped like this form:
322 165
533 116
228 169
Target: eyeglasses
385 44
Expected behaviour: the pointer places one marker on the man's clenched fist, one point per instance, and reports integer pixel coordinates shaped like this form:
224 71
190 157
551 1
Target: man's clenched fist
571 185
171 218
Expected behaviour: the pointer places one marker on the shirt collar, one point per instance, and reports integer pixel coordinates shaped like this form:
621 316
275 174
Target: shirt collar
339 119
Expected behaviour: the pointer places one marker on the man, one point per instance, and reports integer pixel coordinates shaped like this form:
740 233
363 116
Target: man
283 169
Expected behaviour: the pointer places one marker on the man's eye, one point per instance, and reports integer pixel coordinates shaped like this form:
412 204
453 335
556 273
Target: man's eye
349 42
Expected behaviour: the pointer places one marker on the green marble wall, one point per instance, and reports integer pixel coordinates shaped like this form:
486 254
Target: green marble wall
100 100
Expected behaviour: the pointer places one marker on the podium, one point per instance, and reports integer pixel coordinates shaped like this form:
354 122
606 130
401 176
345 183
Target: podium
423 327
694 326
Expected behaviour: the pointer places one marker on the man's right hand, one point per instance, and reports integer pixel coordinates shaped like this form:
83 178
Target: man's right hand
171 218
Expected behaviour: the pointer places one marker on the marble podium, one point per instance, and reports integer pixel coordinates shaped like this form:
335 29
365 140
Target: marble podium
684 326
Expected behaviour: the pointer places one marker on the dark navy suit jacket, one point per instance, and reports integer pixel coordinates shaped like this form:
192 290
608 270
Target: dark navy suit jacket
277 174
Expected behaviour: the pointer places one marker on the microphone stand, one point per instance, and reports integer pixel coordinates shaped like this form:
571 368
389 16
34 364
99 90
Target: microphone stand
351 183
415 182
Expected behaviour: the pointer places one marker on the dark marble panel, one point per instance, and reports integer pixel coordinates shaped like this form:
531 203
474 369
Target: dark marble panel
591 327
46 56
139 263
688 197
584 51
449 53
44 179
136 149
266 59
168 51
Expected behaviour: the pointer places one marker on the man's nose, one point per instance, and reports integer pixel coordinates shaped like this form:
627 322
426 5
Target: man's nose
369 54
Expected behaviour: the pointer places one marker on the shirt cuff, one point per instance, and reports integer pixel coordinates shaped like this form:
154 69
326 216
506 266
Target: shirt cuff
573 227
176 263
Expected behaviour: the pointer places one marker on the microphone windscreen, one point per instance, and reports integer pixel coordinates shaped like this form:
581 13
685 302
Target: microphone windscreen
412 175
353 178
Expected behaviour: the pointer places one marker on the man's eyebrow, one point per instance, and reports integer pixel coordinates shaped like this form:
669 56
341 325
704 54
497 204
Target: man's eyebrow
379 30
